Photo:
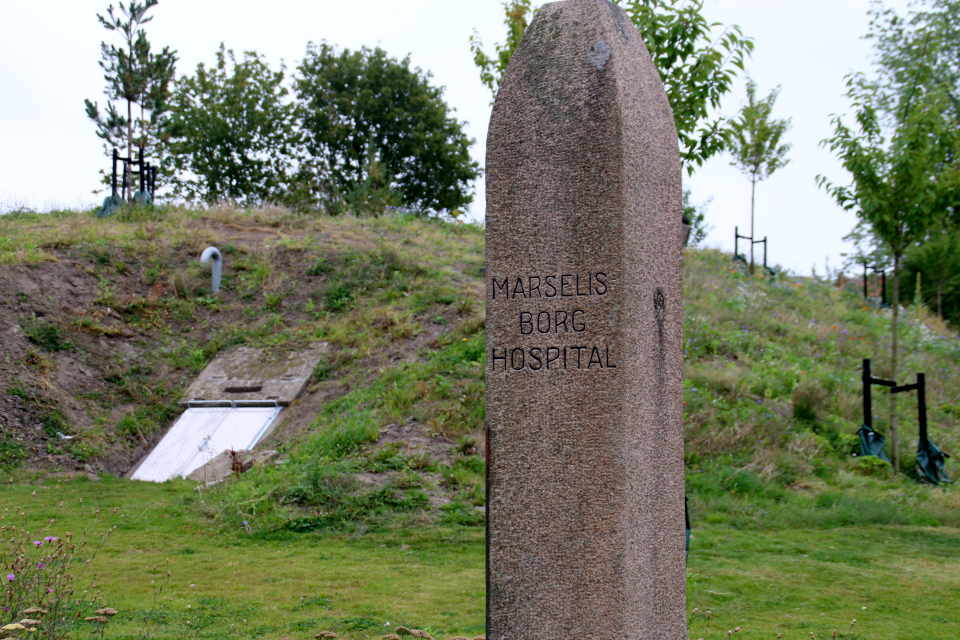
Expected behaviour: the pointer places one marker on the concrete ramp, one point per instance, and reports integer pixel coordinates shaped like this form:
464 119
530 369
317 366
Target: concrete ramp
200 434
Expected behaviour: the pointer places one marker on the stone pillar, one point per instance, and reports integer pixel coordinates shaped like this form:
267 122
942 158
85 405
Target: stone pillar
584 368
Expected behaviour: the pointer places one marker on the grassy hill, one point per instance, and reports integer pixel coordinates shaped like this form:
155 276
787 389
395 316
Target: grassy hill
377 505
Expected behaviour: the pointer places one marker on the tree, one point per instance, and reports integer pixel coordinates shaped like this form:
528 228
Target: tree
352 100
902 183
696 68
938 260
755 144
134 75
232 132
928 37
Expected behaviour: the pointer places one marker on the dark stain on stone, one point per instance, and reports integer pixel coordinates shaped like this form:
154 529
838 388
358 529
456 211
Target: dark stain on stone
660 313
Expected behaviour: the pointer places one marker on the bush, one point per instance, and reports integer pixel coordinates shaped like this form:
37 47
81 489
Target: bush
873 466
11 453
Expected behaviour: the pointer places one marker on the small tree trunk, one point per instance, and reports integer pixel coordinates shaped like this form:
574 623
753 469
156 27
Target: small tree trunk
940 299
894 440
753 191
129 193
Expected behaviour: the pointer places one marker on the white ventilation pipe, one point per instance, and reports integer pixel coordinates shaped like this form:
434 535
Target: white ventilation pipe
212 253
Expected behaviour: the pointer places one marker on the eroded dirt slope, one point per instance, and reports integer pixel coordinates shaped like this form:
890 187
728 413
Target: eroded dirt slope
104 323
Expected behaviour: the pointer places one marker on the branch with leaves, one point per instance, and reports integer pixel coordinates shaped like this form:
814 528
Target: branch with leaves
697 67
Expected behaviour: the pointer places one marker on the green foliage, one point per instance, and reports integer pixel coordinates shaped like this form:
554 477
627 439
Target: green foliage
516 19
873 466
755 140
696 214
232 131
927 37
772 372
903 183
697 67
446 391
360 105
755 144
134 75
40 574
374 194
937 259
45 335
462 514
899 183
354 274
146 420
12 452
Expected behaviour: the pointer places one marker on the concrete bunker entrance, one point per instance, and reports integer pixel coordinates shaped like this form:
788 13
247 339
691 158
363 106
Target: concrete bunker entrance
233 404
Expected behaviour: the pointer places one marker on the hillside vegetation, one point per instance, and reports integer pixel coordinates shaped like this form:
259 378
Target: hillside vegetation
380 492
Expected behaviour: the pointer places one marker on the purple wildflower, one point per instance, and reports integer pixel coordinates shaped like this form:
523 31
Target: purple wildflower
40 565
11 577
51 538
38 543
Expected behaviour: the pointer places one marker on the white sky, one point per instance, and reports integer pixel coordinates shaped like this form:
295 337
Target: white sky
50 155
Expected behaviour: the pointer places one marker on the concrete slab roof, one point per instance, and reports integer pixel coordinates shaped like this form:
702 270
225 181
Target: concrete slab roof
251 375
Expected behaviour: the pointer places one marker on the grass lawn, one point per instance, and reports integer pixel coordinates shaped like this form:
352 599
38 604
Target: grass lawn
898 582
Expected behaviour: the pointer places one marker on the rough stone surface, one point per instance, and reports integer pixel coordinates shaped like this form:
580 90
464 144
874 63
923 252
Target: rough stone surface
252 374
584 365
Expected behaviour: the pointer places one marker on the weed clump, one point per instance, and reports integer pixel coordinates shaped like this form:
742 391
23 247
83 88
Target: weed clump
45 335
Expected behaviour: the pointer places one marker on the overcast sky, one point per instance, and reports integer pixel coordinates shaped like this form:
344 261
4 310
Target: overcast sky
48 64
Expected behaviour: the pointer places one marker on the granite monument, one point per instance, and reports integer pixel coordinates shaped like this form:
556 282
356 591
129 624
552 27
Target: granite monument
584 364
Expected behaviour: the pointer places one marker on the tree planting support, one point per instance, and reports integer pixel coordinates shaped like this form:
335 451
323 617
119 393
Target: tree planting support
736 239
883 283
113 202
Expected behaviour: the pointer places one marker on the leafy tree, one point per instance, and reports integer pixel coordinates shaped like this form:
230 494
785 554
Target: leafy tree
755 144
938 259
232 132
696 68
134 75
928 37
355 99
901 182
374 194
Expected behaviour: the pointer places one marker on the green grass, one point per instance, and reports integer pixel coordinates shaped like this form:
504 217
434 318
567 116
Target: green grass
897 583
238 584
